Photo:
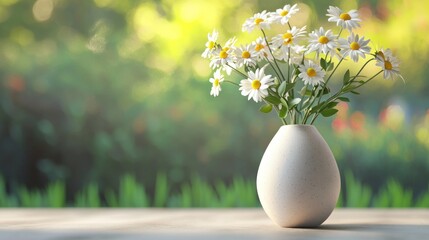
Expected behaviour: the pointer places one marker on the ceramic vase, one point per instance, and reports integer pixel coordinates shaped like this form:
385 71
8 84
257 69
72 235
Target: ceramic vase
298 181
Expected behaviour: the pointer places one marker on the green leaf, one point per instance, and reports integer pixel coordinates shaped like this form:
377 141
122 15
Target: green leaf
317 107
294 102
266 108
348 88
306 102
326 90
346 78
330 67
344 99
323 63
354 92
284 102
283 112
272 99
331 105
282 89
303 91
289 86
329 112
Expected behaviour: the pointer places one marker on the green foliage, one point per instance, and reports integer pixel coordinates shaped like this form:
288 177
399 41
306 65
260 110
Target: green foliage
56 195
5 199
329 112
199 193
196 194
53 196
394 195
357 195
423 200
89 197
161 190
266 108
130 194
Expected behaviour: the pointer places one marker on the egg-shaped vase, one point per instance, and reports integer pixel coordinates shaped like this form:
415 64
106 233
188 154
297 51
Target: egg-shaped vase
298 180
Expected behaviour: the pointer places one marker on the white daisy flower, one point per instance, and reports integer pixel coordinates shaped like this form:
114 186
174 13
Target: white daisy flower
210 44
282 15
388 63
245 55
322 41
260 20
348 20
261 49
216 80
223 56
228 68
289 38
354 46
256 86
311 73
287 43
296 54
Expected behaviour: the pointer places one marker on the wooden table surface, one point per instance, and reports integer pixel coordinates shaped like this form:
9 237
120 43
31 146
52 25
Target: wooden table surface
206 224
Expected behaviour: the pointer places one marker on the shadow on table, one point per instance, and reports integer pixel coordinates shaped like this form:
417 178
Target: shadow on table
375 227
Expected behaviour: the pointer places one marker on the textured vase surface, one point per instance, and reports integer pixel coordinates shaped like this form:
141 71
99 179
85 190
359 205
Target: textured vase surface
298 181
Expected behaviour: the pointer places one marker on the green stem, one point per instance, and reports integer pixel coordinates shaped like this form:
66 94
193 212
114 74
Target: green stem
360 70
236 84
290 116
332 73
307 113
272 55
339 34
283 120
275 70
288 64
375 75
339 93
277 110
238 71
329 78
295 116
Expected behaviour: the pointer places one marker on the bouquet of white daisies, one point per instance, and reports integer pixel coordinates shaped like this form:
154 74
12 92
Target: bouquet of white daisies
301 64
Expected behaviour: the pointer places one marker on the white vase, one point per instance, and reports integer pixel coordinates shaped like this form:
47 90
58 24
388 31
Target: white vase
298 181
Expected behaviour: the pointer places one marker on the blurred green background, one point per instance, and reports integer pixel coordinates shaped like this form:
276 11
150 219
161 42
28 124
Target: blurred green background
106 103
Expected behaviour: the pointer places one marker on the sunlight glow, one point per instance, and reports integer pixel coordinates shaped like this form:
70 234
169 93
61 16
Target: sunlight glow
42 10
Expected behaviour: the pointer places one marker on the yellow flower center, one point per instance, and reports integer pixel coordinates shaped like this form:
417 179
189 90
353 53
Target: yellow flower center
216 82
388 65
256 84
287 35
211 45
284 13
287 38
258 21
345 16
245 54
323 40
223 54
311 72
259 47
354 46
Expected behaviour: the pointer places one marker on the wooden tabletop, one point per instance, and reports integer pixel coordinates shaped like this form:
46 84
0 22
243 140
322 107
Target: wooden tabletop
206 224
